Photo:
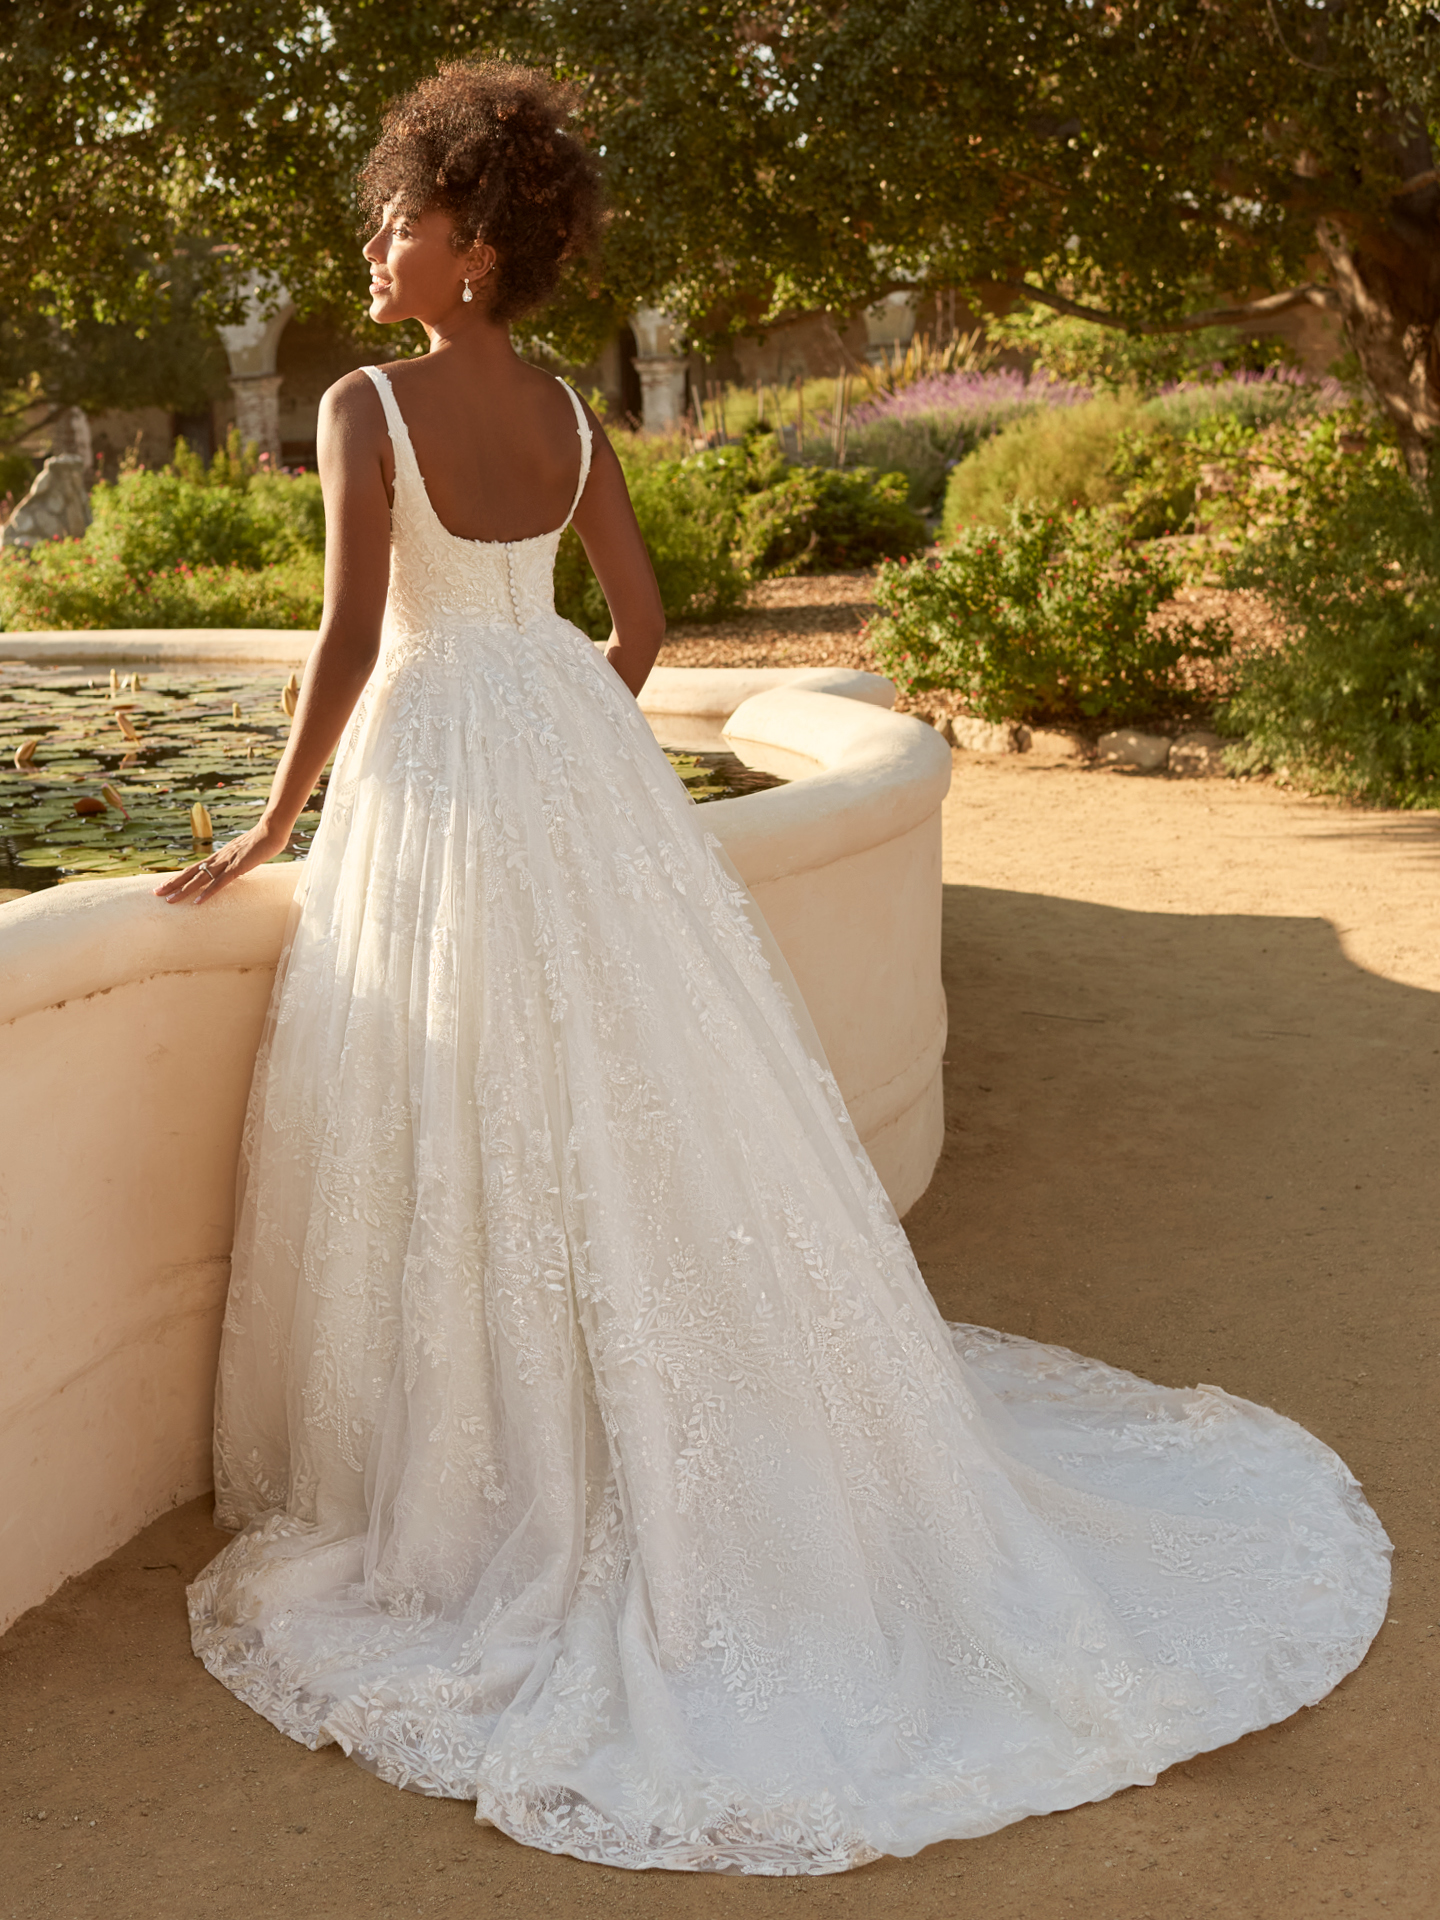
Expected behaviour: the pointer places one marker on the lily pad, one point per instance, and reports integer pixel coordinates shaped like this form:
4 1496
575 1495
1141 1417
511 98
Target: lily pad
191 745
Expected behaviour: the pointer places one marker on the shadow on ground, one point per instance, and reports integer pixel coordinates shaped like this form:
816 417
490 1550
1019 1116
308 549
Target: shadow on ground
1199 1147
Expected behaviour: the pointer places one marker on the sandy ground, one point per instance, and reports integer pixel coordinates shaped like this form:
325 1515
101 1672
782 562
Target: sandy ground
814 622
1191 1128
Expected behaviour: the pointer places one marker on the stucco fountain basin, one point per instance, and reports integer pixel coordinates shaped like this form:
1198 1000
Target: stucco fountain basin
128 1031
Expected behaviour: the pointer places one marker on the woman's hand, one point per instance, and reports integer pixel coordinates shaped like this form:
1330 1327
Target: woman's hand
203 879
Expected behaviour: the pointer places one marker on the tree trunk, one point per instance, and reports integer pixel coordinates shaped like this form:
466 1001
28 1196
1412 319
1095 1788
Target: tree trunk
1388 283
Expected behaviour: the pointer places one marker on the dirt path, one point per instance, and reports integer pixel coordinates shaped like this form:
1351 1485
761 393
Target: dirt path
1191 1128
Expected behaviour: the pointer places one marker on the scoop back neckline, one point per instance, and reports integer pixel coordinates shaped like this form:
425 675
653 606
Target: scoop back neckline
465 539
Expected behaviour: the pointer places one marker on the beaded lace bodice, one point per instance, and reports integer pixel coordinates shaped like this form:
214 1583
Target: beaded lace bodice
438 579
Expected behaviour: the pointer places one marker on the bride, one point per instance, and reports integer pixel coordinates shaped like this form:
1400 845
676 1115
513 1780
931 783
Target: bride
594 1448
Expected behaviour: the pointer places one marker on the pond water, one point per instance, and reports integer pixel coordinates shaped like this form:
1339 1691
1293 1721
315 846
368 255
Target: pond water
111 764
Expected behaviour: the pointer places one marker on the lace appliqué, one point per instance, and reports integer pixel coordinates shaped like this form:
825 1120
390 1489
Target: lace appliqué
598 1452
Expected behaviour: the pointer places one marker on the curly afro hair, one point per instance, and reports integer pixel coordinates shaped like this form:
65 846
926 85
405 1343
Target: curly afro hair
485 142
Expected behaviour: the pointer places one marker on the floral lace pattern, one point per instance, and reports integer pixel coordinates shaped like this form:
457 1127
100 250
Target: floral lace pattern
597 1451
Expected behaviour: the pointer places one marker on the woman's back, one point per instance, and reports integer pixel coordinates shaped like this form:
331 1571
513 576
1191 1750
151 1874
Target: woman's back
496 446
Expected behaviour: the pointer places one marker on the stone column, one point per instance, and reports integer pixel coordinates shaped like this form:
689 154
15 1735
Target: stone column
257 411
70 437
661 371
251 345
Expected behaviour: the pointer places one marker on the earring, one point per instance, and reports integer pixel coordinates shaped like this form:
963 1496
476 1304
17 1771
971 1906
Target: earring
467 296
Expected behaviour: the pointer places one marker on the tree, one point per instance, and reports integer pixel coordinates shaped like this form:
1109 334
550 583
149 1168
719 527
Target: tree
167 356
1115 159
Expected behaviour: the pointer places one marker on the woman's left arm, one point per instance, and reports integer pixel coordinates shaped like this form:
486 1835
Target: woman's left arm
615 548
352 440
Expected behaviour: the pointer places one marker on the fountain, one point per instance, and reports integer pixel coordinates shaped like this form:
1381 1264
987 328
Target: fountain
128 1031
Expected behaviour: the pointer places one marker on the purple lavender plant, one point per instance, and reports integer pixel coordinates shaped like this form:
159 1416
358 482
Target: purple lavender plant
976 399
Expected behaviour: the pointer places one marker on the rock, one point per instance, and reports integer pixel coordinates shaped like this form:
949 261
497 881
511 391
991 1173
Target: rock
1198 756
57 507
1052 744
1126 748
981 736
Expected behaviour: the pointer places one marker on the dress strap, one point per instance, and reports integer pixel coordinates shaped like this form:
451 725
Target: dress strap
585 447
394 419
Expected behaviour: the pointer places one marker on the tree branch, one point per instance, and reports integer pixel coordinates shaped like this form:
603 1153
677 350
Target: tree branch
1313 295
35 426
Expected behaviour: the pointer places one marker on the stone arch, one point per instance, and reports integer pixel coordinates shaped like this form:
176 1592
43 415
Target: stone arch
251 347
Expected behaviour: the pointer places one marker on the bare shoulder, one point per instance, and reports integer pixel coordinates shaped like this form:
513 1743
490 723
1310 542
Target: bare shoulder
352 418
352 402
589 412
598 437
412 370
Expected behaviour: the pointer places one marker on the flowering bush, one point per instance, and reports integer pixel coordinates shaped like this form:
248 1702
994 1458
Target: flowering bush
228 545
925 429
66 585
1045 619
1119 449
978 402
1251 400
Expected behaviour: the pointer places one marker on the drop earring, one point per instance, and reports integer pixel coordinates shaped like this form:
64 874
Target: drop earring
467 296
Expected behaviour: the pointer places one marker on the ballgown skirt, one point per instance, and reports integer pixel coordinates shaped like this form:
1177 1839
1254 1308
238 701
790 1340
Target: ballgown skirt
597 1451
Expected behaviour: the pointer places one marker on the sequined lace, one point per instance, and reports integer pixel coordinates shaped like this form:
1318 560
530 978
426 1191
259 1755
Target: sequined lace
596 1449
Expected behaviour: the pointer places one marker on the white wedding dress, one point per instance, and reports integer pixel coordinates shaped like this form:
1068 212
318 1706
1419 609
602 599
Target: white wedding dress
598 1451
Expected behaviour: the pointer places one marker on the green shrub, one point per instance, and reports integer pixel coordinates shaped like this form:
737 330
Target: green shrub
787 519
289 509
1052 459
1351 704
1161 462
231 514
150 520
228 545
65 585
741 468
717 519
908 444
1044 620
816 520
686 509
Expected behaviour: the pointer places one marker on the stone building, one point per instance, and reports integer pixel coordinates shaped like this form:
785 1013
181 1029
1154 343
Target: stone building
279 365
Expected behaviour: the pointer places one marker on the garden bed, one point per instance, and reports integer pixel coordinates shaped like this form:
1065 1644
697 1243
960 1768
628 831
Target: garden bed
820 622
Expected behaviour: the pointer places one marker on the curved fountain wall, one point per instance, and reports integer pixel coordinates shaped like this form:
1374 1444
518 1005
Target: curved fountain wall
128 1031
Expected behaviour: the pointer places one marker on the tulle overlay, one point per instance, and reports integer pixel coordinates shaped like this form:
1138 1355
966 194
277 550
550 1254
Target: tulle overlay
598 1451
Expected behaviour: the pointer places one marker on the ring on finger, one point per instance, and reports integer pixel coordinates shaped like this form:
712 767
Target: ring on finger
205 869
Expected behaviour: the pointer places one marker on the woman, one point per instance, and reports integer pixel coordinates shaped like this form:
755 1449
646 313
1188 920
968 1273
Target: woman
596 1449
